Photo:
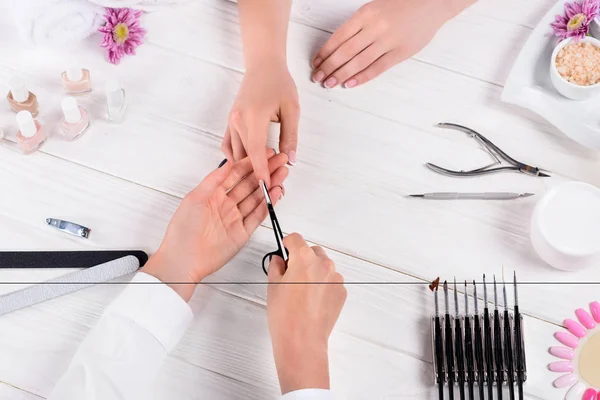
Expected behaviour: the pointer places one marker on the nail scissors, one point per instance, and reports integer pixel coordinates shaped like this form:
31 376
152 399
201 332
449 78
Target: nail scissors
494 151
281 250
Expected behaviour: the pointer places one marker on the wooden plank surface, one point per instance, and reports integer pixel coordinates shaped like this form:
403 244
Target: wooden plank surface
361 152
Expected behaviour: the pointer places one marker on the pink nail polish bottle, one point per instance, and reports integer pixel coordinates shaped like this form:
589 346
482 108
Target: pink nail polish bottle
77 81
75 120
31 134
19 98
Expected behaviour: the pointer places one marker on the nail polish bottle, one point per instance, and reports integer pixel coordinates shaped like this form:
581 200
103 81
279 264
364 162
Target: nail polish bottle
116 102
19 98
31 134
75 120
77 81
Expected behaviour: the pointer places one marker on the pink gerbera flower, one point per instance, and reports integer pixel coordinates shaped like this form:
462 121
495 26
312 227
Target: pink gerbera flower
122 32
576 21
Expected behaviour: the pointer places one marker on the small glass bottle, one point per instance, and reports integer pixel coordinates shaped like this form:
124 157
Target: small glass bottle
77 81
75 120
19 98
31 134
116 102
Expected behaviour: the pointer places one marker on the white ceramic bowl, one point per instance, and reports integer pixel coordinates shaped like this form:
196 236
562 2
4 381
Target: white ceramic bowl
566 88
565 227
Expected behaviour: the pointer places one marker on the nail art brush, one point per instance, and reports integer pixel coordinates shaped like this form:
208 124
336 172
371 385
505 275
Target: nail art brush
498 344
458 339
469 348
449 346
439 348
518 343
487 336
478 344
508 346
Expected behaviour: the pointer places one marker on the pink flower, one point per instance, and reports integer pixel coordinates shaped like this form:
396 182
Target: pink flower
576 21
122 32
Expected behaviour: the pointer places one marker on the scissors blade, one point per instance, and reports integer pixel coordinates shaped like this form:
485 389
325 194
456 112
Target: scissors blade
265 192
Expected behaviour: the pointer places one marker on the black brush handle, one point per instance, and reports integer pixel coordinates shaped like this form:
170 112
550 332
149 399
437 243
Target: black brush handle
519 352
479 356
460 363
489 357
449 357
498 354
469 357
439 357
509 356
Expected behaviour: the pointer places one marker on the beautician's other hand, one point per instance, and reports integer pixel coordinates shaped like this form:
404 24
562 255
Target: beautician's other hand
213 223
302 316
267 94
379 35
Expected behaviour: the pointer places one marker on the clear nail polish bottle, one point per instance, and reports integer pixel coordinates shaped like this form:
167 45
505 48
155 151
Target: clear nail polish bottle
116 102
77 81
31 134
19 98
75 120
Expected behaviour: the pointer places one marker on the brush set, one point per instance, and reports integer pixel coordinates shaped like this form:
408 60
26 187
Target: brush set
482 352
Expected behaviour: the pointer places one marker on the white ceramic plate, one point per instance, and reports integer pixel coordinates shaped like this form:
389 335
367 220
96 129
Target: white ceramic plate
529 86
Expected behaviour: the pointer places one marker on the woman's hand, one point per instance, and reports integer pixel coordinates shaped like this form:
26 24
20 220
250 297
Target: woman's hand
267 94
303 305
379 35
213 222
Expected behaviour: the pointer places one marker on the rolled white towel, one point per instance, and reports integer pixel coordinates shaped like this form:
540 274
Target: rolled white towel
145 5
55 22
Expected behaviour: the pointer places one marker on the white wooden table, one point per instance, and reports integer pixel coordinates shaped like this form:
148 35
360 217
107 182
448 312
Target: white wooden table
361 151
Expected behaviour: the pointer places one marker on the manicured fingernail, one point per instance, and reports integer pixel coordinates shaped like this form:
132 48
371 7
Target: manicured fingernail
291 157
330 82
282 191
567 339
585 318
561 366
562 352
575 392
565 381
595 309
589 394
222 163
350 84
318 76
575 328
316 62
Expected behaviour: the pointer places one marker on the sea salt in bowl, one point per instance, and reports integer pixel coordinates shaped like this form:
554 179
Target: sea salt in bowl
565 227
577 75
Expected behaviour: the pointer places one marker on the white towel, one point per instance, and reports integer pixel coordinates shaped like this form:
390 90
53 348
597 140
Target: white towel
145 5
55 22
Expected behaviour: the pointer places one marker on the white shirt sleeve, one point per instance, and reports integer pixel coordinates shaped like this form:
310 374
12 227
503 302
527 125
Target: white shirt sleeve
121 356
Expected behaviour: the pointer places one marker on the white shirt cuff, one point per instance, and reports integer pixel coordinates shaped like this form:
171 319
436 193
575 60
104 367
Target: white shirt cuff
155 307
308 394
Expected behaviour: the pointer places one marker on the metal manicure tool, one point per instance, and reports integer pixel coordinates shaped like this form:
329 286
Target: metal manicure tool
497 154
471 196
69 227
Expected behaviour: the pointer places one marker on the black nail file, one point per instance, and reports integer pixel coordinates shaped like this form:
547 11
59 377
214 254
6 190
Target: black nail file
65 259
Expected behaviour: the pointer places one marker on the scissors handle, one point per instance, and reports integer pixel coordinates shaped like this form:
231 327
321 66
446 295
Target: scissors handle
267 260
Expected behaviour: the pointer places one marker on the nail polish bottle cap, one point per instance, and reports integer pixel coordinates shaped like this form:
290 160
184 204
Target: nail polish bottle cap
114 94
26 124
18 89
71 110
74 74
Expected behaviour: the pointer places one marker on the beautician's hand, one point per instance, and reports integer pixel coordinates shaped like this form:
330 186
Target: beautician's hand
267 94
212 224
302 316
379 35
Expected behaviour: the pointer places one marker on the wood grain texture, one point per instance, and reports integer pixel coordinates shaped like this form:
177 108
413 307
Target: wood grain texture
361 152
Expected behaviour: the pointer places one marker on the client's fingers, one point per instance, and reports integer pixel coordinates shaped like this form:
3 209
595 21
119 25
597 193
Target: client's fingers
258 215
239 152
257 198
250 183
241 169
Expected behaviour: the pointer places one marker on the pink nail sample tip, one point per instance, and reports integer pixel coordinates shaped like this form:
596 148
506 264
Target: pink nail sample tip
562 352
575 328
565 381
585 318
567 339
561 366
595 309
589 394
